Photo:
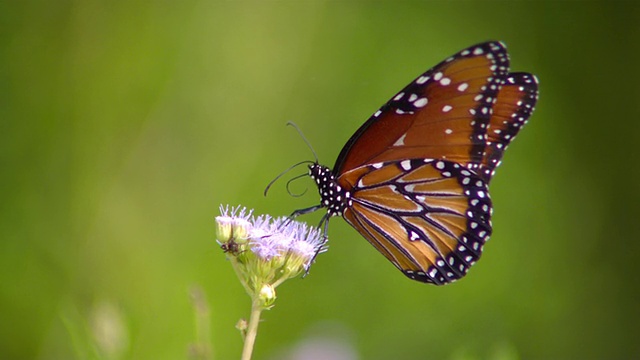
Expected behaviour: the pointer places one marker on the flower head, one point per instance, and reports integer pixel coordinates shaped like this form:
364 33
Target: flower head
266 251
233 227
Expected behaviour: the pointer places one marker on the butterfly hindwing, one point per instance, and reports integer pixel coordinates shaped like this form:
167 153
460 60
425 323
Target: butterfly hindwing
430 218
515 103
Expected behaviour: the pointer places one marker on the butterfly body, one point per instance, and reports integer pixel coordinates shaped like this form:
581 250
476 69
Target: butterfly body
413 180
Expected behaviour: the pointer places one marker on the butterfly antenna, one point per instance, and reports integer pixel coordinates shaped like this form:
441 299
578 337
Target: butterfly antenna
289 184
290 123
284 172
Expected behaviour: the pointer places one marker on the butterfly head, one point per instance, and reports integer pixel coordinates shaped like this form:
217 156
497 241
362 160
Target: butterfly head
334 197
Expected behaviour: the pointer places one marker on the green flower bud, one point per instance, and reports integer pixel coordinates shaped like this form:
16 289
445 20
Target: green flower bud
225 228
267 295
241 228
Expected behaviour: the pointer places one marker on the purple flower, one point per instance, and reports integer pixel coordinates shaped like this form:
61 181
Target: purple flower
267 243
233 224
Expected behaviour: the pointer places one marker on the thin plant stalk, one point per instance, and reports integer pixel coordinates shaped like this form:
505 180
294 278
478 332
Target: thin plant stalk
239 272
252 329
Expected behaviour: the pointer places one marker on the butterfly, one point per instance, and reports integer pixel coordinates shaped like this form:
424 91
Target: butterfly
414 178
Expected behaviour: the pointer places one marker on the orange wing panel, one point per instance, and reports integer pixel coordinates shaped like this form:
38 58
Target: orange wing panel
396 251
388 198
440 115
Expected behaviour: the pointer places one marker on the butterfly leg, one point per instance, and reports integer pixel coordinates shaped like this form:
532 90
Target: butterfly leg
299 212
308 210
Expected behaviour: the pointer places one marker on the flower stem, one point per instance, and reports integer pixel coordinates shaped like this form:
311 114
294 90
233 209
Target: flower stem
236 267
252 329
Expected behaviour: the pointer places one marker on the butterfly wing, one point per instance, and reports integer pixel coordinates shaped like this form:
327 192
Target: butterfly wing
515 103
444 113
413 180
430 218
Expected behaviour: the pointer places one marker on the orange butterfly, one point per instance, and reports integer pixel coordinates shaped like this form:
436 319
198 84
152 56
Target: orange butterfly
413 180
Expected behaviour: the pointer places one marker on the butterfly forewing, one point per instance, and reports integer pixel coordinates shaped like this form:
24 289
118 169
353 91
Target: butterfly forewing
428 217
445 111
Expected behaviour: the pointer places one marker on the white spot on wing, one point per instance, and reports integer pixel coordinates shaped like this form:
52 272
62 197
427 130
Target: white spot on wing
421 102
400 141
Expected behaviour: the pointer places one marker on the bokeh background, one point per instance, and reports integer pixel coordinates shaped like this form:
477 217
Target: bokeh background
124 125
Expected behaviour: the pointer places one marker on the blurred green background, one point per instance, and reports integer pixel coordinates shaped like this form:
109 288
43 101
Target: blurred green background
123 126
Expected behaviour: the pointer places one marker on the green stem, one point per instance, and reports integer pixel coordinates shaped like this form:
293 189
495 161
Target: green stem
236 267
252 329
279 281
